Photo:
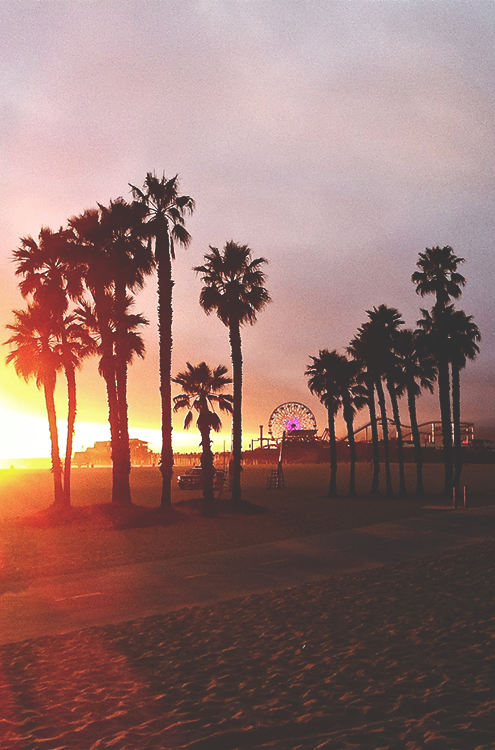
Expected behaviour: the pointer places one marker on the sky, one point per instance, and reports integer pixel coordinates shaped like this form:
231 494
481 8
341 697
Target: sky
337 139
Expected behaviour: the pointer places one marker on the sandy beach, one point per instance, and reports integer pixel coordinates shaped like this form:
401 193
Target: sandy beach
396 657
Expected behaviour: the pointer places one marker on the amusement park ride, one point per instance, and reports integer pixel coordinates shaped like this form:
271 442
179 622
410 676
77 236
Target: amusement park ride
294 421
293 436
291 420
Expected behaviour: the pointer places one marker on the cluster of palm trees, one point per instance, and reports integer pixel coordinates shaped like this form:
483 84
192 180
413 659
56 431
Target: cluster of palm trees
384 357
79 285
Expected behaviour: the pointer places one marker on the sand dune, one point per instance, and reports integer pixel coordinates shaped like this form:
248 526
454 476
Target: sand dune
397 657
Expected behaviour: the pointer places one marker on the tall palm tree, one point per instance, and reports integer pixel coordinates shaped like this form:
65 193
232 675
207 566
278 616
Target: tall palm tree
439 275
354 397
52 282
386 323
165 223
75 345
463 337
234 289
35 355
434 328
362 353
131 260
48 276
103 269
416 371
322 379
88 250
202 390
366 348
117 329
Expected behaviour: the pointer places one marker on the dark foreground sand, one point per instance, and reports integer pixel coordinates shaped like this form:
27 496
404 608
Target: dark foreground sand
397 657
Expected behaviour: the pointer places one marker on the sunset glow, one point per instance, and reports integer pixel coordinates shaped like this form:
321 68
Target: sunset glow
337 144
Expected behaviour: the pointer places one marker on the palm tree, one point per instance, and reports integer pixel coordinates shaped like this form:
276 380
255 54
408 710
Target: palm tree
48 275
131 260
322 383
88 249
433 326
463 337
363 354
386 322
166 212
75 344
201 390
416 371
106 274
354 397
366 348
35 355
234 289
52 282
438 275
116 329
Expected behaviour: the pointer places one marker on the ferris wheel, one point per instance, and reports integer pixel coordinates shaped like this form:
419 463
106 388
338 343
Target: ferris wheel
289 417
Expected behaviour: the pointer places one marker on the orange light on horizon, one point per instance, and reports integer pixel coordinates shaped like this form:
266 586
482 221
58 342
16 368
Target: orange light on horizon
27 437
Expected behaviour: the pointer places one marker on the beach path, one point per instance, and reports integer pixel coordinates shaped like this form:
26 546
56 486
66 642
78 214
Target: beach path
63 604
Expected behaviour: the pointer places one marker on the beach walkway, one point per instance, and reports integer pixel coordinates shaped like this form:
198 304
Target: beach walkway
63 604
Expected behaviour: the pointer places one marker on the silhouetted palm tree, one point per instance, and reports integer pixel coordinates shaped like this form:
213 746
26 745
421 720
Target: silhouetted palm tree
34 352
202 390
122 333
52 282
416 371
438 275
354 397
166 212
48 275
90 255
322 381
75 345
103 267
234 289
386 322
131 261
463 337
366 349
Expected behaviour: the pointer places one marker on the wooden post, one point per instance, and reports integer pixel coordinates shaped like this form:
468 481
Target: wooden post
465 499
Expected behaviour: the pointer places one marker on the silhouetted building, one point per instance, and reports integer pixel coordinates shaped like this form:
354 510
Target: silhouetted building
101 454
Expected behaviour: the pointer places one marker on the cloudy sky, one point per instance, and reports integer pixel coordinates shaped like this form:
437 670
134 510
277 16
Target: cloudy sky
337 139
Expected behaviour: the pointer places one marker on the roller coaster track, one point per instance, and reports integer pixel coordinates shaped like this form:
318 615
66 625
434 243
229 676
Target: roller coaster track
434 427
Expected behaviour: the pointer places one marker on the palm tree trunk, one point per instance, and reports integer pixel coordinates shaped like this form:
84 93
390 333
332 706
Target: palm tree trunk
332 489
71 419
349 420
375 480
121 491
49 390
121 380
386 453
445 414
165 318
236 353
121 494
456 417
121 384
400 443
418 453
209 508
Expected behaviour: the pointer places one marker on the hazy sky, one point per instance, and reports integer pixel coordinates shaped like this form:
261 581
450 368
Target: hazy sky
337 139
